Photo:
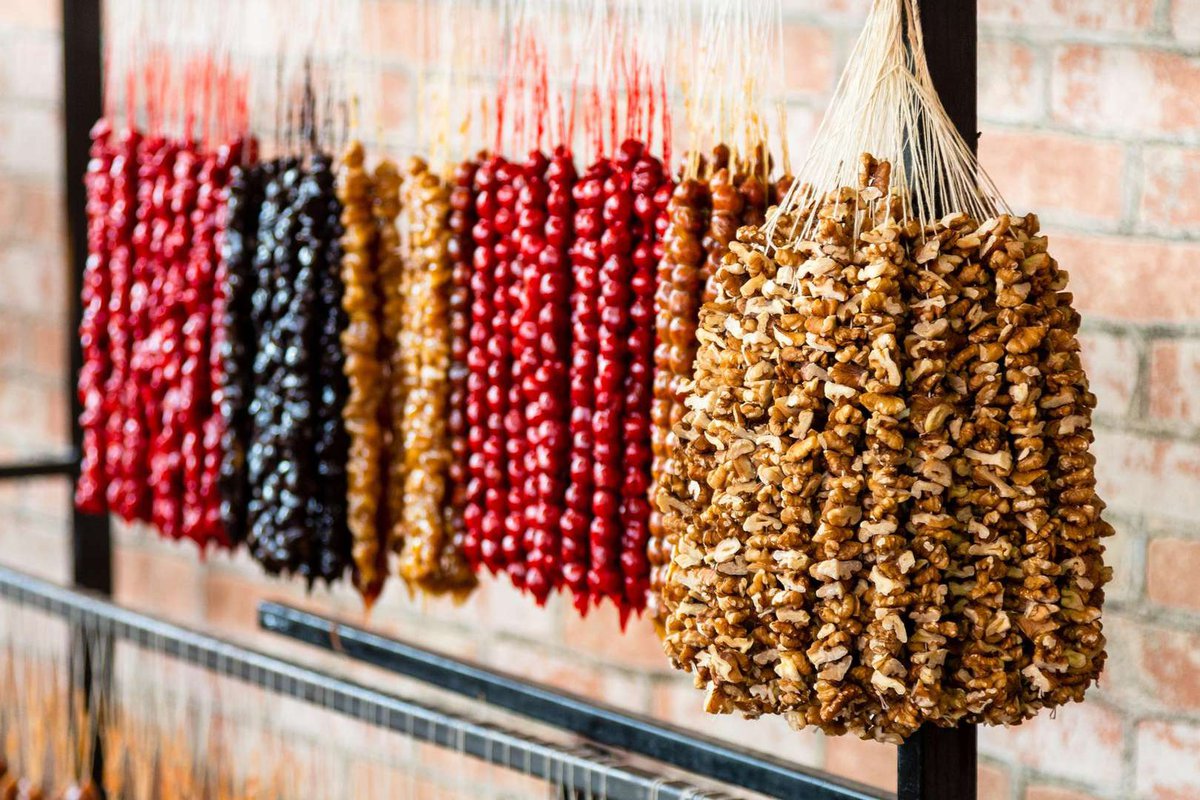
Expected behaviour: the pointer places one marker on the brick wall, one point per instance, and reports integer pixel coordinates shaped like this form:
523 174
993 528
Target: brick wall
1090 114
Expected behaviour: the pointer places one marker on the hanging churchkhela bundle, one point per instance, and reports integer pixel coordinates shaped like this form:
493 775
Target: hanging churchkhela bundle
374 303
234 350
716 195
621 202
287 460
367 365
898 521
420 318
152 297
559 349
429 556
296 451
402 248
214 379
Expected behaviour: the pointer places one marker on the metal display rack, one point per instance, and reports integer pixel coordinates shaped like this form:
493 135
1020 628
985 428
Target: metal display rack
933 764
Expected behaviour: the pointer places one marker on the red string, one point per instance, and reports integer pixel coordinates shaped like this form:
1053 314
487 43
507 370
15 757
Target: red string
649 113
666 124
543 99
499 118
131 99
614 82
189 93
151 97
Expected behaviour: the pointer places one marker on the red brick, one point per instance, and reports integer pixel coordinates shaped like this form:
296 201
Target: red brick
12 334
161 579
1011 87
801 129
31 68
54 415
675 700
33 547
397 101
457 776
494 607
231 601
1167 767
1090 15
1043 792
1171 665
1139 473
535 663
400 24
1169 202
599 636
1057 175
503 609
39 14
33 277
1134 279
48 501
872 763
1175 381
35 412
45 351
1123 552
1185 20
995 782
1171 569
504 783
808 60
841 11
1093 85
31 141
31 210
628 690
1082 742
1123 460
399 607
1111 362
1122 684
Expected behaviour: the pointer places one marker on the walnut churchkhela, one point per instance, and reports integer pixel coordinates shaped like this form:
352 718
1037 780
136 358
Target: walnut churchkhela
903 524
889 515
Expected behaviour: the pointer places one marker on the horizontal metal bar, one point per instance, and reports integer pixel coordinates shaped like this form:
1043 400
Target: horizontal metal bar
696 754
40 467
585 770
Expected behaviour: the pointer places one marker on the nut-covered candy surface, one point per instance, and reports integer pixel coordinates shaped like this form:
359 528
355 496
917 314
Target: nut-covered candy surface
888 515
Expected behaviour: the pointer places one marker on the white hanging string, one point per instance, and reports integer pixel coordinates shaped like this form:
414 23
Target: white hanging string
885 104
727 77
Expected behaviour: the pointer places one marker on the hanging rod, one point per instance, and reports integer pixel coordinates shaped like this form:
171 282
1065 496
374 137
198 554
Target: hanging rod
695 754
40 467
580 771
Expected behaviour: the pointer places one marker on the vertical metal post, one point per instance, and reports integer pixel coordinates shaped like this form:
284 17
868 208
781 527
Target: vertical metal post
951 34
91 535
940 763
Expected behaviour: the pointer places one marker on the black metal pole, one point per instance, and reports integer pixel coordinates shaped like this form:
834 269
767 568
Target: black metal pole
951 36
941 763
91 535
40 468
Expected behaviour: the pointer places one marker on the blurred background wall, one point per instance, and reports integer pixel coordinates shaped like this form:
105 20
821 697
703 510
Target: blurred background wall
1090 112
